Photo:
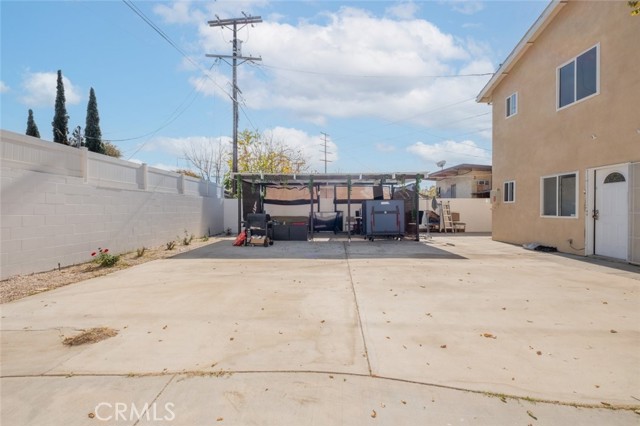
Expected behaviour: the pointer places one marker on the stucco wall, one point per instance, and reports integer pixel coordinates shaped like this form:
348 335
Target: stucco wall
634 206
465 184
541 140
474 212
60 203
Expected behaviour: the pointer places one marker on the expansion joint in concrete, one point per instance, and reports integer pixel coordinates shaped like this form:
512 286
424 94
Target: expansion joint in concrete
157 396
355 299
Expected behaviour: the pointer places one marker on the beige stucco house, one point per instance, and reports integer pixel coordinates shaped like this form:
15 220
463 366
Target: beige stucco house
566 132
463 181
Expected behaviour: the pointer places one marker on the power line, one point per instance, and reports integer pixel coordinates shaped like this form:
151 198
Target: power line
375 76
168 39
244 112
437 109
177 112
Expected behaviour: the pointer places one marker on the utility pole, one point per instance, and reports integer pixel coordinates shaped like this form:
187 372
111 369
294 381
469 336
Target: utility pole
233 24
325 152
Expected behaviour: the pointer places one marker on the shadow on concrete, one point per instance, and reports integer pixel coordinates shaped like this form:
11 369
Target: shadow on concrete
321 249
624 268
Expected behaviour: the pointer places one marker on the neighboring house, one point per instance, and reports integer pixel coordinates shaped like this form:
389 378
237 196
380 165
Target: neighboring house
566 132
463 181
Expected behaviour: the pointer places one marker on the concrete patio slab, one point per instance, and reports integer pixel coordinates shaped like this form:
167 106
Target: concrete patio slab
273 399
453 319
328 399
185 315
75 401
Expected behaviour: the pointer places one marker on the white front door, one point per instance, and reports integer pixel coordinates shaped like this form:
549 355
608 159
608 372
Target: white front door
611 212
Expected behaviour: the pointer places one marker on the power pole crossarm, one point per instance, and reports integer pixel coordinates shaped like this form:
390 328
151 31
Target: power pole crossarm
247 20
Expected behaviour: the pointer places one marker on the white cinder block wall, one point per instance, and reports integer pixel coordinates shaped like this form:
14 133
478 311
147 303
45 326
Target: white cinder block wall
58 204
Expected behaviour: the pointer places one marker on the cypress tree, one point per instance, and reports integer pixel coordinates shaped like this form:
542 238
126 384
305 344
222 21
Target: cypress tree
92 132
32 127
60 119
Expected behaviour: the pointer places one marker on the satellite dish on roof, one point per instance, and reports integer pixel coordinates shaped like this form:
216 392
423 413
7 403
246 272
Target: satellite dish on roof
441 163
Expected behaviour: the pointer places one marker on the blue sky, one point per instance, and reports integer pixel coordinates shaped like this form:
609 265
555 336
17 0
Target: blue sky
392 83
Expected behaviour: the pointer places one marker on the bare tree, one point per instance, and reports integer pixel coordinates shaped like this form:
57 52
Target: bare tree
208 157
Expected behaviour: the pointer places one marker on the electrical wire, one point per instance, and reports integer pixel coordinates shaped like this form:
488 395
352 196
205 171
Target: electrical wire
372 76
244 112
177 111
171 119
168 39
181 108
413 117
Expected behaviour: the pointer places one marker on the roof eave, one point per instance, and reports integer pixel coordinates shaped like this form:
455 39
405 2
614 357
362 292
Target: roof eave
527 41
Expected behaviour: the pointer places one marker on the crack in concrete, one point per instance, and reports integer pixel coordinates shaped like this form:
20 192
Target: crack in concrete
355 298
157 396
58 329
226 373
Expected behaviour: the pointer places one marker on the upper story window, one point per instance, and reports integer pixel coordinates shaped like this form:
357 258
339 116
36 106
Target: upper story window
512 105
579 78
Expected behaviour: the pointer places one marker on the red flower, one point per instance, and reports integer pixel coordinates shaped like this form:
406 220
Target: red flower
105 250
93 254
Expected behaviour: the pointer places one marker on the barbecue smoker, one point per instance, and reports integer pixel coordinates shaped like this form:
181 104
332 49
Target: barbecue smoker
259 230
382 219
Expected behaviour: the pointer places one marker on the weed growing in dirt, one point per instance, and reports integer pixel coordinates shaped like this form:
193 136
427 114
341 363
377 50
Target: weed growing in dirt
186 240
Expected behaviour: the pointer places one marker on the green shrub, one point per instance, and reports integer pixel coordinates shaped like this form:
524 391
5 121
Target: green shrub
103 258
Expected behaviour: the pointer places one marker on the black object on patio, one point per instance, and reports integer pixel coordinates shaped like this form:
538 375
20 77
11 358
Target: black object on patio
259 229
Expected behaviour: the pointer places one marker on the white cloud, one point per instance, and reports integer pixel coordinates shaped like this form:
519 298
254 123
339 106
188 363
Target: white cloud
3 87
157 165
453 152
187 11
466 7
40 89
346 64
176 146
179 12
162 166
309 145
355 65
406 10
312 146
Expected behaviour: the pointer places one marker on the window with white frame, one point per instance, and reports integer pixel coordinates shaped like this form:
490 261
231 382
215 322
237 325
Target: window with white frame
579 78
512 105
559 195
509 195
